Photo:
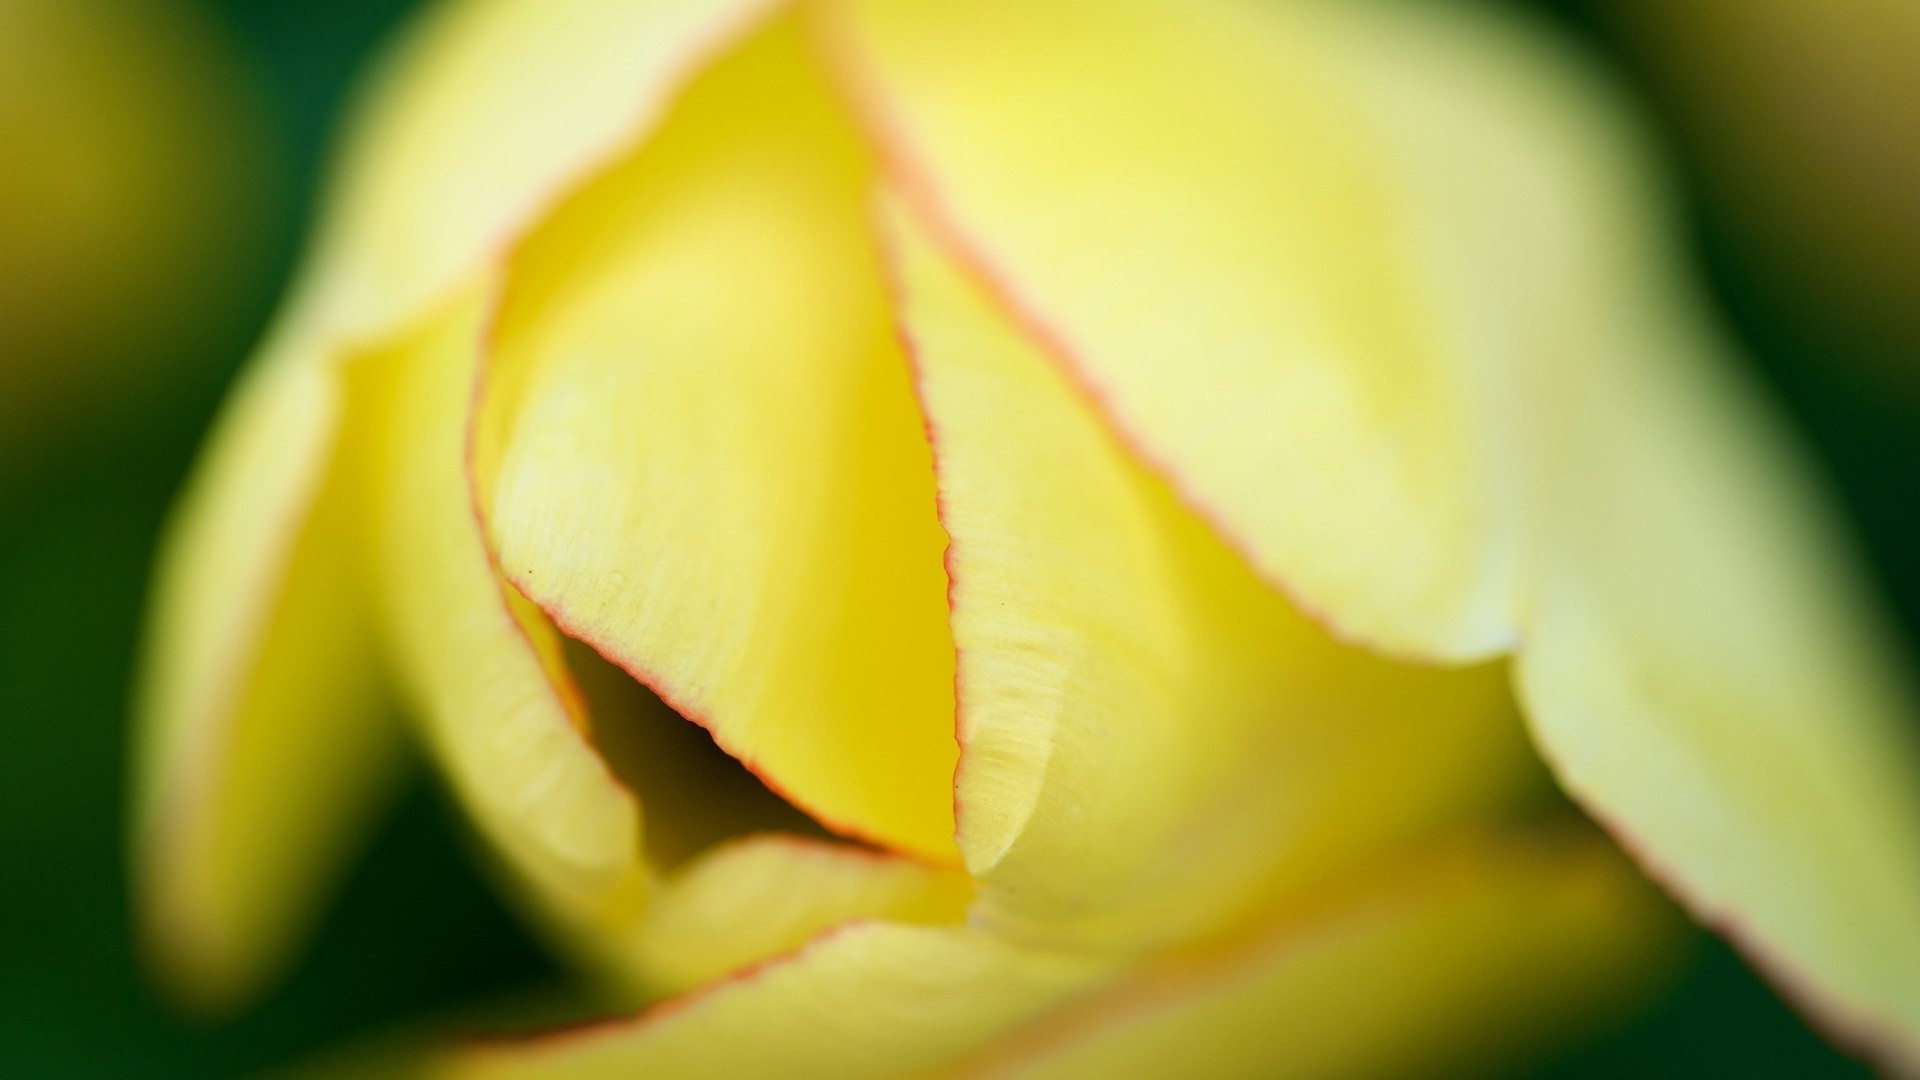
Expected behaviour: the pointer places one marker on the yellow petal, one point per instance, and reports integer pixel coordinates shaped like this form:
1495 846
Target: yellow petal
870 1000
1694 659
1152 738
1704 676
1179 196
509 726
491 111
1698 663
263 738
747 901
259 740
699 452
498 706
1470 956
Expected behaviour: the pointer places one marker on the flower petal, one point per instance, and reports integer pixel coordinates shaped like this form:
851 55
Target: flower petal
490 112
698 451
747 901
263 734
502 713
499 709
259 736
1153 739
1178 196
1473 954
1698 663
869 1000
1694 659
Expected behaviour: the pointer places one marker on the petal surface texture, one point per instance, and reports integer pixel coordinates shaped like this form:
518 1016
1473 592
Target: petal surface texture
497 704
699 452
1173 192
264 734
1152 738
1460 960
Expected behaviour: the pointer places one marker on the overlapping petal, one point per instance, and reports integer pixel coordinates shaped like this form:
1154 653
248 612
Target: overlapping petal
1206 297
1460 958
698 450
1699 666
489 112
746 901
1152 737
507 723
1178 197
1427 962
496 702
869 1000
1497 420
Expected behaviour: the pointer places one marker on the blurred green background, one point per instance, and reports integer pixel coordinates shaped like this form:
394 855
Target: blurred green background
416 933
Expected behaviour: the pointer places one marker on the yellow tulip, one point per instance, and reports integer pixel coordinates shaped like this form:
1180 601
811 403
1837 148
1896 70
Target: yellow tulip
1133 472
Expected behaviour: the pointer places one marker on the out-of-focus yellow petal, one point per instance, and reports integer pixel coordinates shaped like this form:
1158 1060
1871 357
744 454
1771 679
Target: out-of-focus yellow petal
870 1000
1707 687
753 899
497 703
1470 955
491 111
1152 737
263 737
1179 195
699 452
1697 662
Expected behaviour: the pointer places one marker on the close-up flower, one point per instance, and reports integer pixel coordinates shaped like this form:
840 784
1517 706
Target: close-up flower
1026 538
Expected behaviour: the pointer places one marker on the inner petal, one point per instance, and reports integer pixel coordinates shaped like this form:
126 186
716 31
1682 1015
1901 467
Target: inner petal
698 451
1154 741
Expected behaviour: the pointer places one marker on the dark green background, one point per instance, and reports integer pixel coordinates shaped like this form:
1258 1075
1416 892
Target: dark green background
416 933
